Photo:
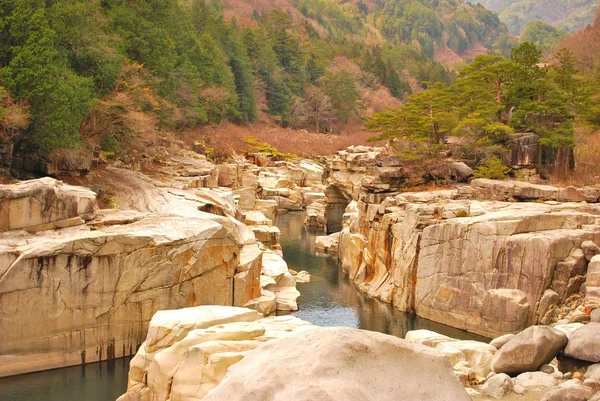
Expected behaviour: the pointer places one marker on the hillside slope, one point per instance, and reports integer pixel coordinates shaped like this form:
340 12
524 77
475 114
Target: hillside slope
568 15
111 72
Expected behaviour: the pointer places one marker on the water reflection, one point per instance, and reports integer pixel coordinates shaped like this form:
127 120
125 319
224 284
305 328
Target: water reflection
104 381
331 299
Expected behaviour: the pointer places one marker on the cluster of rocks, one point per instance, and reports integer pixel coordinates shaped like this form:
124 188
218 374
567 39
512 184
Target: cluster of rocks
556 363
176 239
359 169
223 353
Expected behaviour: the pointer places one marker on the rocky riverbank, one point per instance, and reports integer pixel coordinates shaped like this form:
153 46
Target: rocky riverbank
216 353
95 276
491 257
211 353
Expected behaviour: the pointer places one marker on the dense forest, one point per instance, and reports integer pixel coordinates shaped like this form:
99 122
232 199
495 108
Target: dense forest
566 15
109 71
494 97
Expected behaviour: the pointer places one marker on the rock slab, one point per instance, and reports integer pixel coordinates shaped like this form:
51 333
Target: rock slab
344 364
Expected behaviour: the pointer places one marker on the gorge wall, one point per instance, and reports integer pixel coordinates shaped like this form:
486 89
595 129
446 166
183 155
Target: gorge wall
492 257
79 284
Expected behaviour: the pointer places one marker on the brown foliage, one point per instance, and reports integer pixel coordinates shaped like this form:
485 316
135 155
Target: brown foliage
14 117
585 45
227 139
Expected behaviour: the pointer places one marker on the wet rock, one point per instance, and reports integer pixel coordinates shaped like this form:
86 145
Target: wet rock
528 350
303 277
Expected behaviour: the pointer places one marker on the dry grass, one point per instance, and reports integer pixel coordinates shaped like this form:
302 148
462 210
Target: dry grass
227 139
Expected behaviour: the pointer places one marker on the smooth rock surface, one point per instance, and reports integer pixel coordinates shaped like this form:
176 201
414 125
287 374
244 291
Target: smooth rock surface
528 350
534 380
344 364
31 204
570 393
584 344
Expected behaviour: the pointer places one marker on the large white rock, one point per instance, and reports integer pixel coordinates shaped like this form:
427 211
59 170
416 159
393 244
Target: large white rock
188 351
95 286
340 364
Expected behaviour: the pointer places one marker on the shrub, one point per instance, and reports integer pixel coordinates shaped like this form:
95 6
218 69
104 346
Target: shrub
492 169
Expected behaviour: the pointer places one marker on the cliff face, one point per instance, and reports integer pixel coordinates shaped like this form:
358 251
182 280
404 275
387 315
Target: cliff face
482 265
80 292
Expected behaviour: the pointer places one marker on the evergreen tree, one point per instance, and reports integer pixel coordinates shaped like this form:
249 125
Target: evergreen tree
58 97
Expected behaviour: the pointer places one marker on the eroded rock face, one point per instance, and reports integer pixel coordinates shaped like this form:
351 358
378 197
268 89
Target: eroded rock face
480 265
187 352
94 286
344 364
44 204
93 292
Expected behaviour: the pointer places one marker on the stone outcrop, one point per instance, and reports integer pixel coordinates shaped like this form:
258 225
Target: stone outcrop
94 291
96 276
469 258
44 204
187 352
343 364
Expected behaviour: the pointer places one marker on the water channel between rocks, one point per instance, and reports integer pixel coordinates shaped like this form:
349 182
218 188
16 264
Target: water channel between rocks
330 299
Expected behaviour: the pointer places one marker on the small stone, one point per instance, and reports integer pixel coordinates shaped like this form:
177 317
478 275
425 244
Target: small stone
498 342
590 249
593 383
569 393
549 369
490 375
519 389
593 372
535 380
498 386
595 316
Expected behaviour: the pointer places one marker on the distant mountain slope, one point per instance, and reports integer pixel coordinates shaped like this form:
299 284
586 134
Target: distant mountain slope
106 72
568 15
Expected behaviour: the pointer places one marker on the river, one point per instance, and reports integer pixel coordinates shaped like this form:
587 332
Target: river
330 299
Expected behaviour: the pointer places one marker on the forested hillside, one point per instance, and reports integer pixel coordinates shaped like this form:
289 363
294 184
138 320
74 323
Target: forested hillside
112 71
568 15
495 97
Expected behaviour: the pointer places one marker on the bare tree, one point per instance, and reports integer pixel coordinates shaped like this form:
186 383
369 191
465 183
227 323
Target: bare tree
318 108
